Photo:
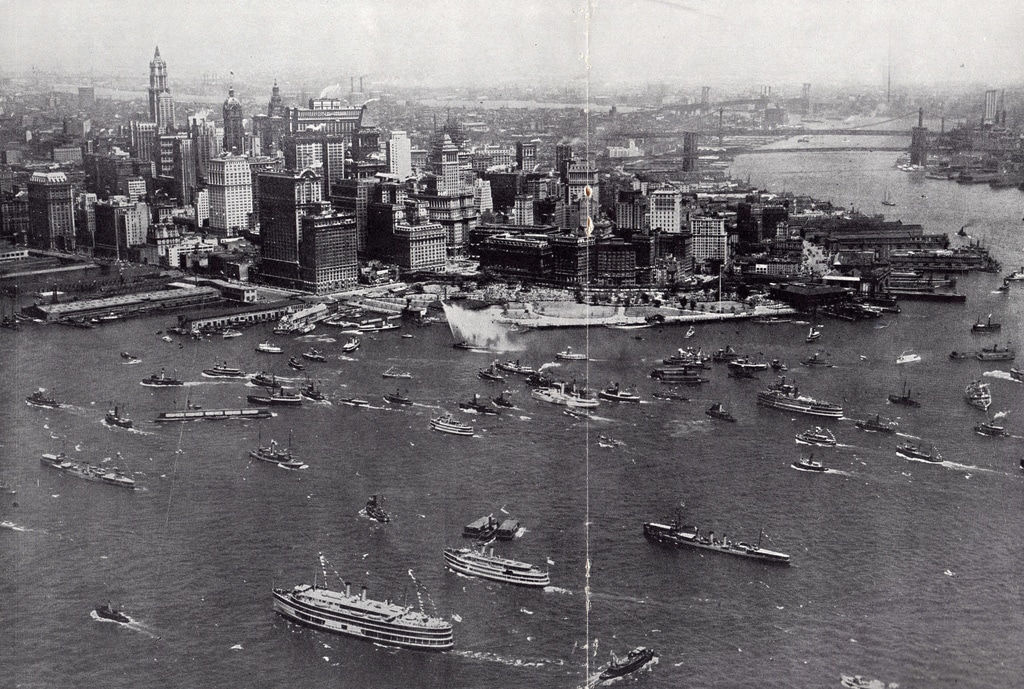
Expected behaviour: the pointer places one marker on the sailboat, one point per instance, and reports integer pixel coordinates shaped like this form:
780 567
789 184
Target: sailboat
887 201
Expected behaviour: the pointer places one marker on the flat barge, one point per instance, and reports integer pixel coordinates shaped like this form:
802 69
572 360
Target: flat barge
213 414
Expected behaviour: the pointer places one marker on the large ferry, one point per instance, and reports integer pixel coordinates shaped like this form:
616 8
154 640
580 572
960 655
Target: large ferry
787 397
476 563
446 423
223 371
383 622
675 534
112 476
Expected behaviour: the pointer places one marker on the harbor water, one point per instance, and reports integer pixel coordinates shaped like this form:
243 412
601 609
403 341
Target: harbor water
902 571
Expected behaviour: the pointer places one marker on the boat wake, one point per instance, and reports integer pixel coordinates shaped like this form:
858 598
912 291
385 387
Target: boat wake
1001 375
131 624
11 526
132 362
684 428
136 431
907 435
557 589
508 660
344 357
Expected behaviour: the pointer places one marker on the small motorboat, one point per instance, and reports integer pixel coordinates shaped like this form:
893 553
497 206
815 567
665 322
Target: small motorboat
812 335
955 355
352 345
314 355
229 333
296 364
619 667
268 348
375 510
908 357
717 411
109 612
396 373
690 332
991 429
809 464
354 402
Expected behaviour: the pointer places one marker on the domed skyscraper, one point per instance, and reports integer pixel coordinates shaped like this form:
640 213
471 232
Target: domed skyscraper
234 131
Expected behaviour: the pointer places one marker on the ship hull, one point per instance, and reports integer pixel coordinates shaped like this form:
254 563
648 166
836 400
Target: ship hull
799 407
666 535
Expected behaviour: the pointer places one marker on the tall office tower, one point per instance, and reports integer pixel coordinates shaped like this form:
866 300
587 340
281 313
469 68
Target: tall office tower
526 155
86 97
201 207
563 159
205 142
353 196
691 156
524 210
120 224
163 153
85 220
330 114
142 139
482 201
666 209
161 104
327 252
258 164
449 177
51 212
184 171
579 177
632 210
234 131
993 106
284 198
230 184
323 153
399 155
276 106
705 95
805 99
710 240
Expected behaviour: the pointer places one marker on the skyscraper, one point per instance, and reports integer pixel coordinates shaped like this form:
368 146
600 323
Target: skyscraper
526 155
323 153
327 252
51 212
234 130
184 170
161 104
399 155
230 183
284 198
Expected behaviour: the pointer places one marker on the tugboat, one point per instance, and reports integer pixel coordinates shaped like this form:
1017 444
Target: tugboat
223 371
717 411
812 335
375 511
116 417
265 380
352 345
312 391
515 367
270 453
955 355
675 534
397 397
109 612
991 429
908 357
809 464
296 364
815 360
616 394
986 327
396 373
876 425
502 400
978 395
777 365
725 354
904 398
277 397
636 659
446 423
161 379
314 355
568 355
475 405
491 373
817 436
996 353
919 452
39 398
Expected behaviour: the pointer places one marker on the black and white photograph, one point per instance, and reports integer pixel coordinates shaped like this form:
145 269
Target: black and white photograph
476 344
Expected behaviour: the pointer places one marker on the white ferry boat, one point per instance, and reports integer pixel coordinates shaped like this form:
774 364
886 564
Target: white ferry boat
476 563
446 423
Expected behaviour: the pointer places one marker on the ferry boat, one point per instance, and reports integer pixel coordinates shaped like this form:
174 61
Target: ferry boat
270 453
515 367
817 436
502 400
508 529
314 355
876 425
352 345
265 380
223 371
568 355
717 411
675 534
678 375
382 622
490 373
812 335
159 380
375 510
905 398
296 364
397 397
615 394
809 464
212 414
276 397
908 357
112 476
915 451
986 327
116 417
109 612
688 357
481 529
268 348
396 373
745 364
229 333
787 397
446 423
978 395
476 563
312 391
39 398
991 429
354 402
816 360
996 353
620 667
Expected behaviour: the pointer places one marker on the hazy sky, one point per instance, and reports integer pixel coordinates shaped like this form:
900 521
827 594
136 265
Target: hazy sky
484 41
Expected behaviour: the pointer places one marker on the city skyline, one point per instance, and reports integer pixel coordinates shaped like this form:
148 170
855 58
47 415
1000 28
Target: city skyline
474 43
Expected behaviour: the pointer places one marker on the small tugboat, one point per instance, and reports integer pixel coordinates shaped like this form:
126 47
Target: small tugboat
296 364
619 667
159 380
809 464
354 402
117 417
615 394
491 373
265 380
270 453
397 397
876 425
515 367
109 612
312 391
817 436
314 355
717 411
908 357
675 534
475 405
268 348
812 335
919 452
396 373
568 355
904 398
276 397
352 345
955 355
991 429
986 327
777 365
1015 275
816 360
725 354
223 371
996 353
502 400
39 398
978 395
374 510
446 423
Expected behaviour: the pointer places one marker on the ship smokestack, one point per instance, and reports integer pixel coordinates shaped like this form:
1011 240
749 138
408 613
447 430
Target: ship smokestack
920 117
348 588
364 593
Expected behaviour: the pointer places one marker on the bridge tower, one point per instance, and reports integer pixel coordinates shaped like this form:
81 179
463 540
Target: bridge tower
919 141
